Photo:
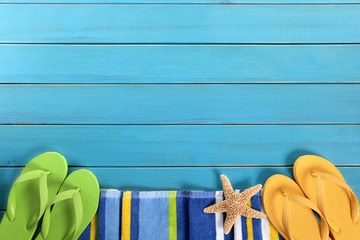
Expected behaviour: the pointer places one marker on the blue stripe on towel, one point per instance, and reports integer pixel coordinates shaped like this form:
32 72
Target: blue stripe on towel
201 225
101 220
150 217
281 237
120 213
112 215
85 235
256 204
182 214
244 228
229 236
134 222
154 215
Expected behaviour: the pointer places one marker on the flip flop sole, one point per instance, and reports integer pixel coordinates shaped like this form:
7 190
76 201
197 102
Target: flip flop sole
337 203
28 198
303 223
62 216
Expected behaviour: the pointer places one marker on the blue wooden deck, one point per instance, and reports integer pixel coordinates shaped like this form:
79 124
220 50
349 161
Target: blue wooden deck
160 94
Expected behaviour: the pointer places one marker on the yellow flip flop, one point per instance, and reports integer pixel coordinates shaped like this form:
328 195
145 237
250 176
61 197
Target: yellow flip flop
323 183
290 212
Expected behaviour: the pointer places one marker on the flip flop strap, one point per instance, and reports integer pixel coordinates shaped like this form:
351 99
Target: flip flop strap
354 203
62 196
43 192
292 198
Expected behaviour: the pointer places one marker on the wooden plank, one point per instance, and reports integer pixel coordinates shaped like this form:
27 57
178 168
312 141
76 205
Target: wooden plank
160 63
180 145
144 179
180 104
178 1
182 23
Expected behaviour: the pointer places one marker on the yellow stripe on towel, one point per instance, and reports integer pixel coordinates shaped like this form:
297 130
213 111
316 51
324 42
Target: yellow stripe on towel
249 225
94 226
172 216
126 216
274 235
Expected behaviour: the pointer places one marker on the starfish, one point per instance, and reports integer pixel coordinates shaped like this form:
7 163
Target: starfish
235 204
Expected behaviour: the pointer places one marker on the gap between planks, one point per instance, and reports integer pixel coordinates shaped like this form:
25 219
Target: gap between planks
192 166
180 44
182 3
173 84
181 124
180 83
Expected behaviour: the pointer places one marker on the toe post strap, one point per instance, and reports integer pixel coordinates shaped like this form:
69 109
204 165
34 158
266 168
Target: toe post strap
286 216
40 175
354 203
73 195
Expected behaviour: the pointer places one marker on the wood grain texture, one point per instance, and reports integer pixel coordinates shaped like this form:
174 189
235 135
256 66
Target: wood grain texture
179 1
120 146
220 117
182 23
179 104
142 179
179 63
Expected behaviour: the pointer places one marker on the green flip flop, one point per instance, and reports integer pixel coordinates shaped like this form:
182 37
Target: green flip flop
72 208
37 184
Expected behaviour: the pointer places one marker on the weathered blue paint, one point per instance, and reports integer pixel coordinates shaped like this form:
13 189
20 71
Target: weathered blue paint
179 63
178 104
148 132
179 1
179 23
180 145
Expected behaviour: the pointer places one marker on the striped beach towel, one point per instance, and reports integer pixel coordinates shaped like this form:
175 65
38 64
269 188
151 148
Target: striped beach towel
171 215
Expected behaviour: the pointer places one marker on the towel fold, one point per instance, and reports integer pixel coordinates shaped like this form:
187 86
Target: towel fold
171 215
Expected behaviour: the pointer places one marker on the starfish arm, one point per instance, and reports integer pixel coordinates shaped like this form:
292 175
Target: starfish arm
228 190
229 222
248 193
252 213
218 207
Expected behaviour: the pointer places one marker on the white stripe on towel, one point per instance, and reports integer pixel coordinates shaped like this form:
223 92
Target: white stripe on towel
237 226
219 217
